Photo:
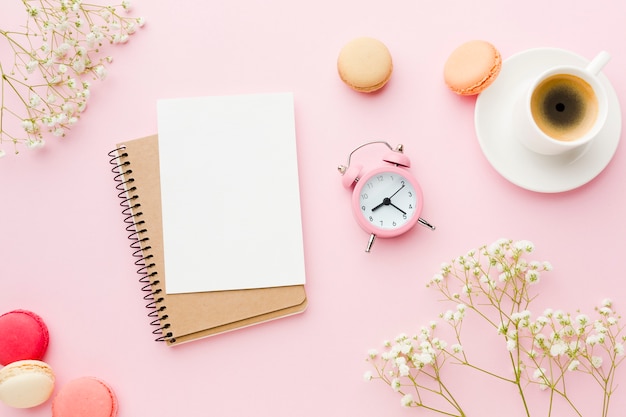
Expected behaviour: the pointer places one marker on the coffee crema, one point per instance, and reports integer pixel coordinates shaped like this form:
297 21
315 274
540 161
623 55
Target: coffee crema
564 107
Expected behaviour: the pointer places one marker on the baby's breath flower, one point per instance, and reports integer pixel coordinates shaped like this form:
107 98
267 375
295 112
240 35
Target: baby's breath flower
100 72
400 337
34 144
525 246
79 66
532 276
511 344
396 384
457 348
424 358
539 374
573 365
61 43
437 278
495 283
520 318
407 400
605 311
582 319
599 327
439 344
593 340
31 66
34 101
558 349
596 361
467 289
30 126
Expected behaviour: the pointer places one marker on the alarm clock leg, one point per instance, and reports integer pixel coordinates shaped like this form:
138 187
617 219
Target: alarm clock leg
425 223
370 242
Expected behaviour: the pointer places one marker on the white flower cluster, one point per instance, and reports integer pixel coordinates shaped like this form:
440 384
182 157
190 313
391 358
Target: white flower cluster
56 56
495 282
407 359
564 342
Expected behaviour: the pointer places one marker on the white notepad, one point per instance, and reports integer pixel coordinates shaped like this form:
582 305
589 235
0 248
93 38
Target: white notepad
230 193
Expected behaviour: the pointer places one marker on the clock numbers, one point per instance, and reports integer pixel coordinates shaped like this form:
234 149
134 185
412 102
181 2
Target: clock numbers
389 202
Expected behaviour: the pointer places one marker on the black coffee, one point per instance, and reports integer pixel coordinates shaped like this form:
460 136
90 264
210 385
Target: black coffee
564 107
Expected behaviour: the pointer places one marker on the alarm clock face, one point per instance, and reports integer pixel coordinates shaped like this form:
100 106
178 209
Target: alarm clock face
387 201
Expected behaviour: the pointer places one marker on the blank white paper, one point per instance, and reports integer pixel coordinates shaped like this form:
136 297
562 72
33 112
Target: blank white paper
230 193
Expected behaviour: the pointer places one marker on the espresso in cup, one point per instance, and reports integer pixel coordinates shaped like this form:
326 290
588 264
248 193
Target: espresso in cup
564 107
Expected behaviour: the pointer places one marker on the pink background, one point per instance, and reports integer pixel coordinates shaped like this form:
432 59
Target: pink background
64 249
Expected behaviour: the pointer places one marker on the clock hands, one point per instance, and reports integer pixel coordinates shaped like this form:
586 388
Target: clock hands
391 196
398 208
387 202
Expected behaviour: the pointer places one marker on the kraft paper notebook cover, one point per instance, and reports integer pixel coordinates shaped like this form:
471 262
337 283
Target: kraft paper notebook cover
183 317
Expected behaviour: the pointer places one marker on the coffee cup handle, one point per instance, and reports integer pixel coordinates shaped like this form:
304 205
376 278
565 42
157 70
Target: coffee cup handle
595 66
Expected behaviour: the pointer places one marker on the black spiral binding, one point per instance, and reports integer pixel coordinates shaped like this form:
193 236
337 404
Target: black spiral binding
135 226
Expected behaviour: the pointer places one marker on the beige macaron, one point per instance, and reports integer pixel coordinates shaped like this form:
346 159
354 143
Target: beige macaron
26 383
365 64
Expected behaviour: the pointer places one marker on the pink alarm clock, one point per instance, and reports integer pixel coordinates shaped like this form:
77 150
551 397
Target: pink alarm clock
386 201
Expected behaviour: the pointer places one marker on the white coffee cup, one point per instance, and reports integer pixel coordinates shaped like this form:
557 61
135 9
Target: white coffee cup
563 108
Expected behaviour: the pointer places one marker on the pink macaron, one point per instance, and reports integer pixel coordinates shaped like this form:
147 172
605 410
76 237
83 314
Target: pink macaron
23 335
85 397
472 67
26 384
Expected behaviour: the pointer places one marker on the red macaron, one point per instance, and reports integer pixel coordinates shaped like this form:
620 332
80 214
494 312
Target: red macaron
23 336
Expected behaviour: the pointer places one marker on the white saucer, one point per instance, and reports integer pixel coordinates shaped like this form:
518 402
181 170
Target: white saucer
529 170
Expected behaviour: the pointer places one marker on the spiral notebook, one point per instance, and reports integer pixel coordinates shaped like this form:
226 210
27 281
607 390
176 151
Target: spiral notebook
183 317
